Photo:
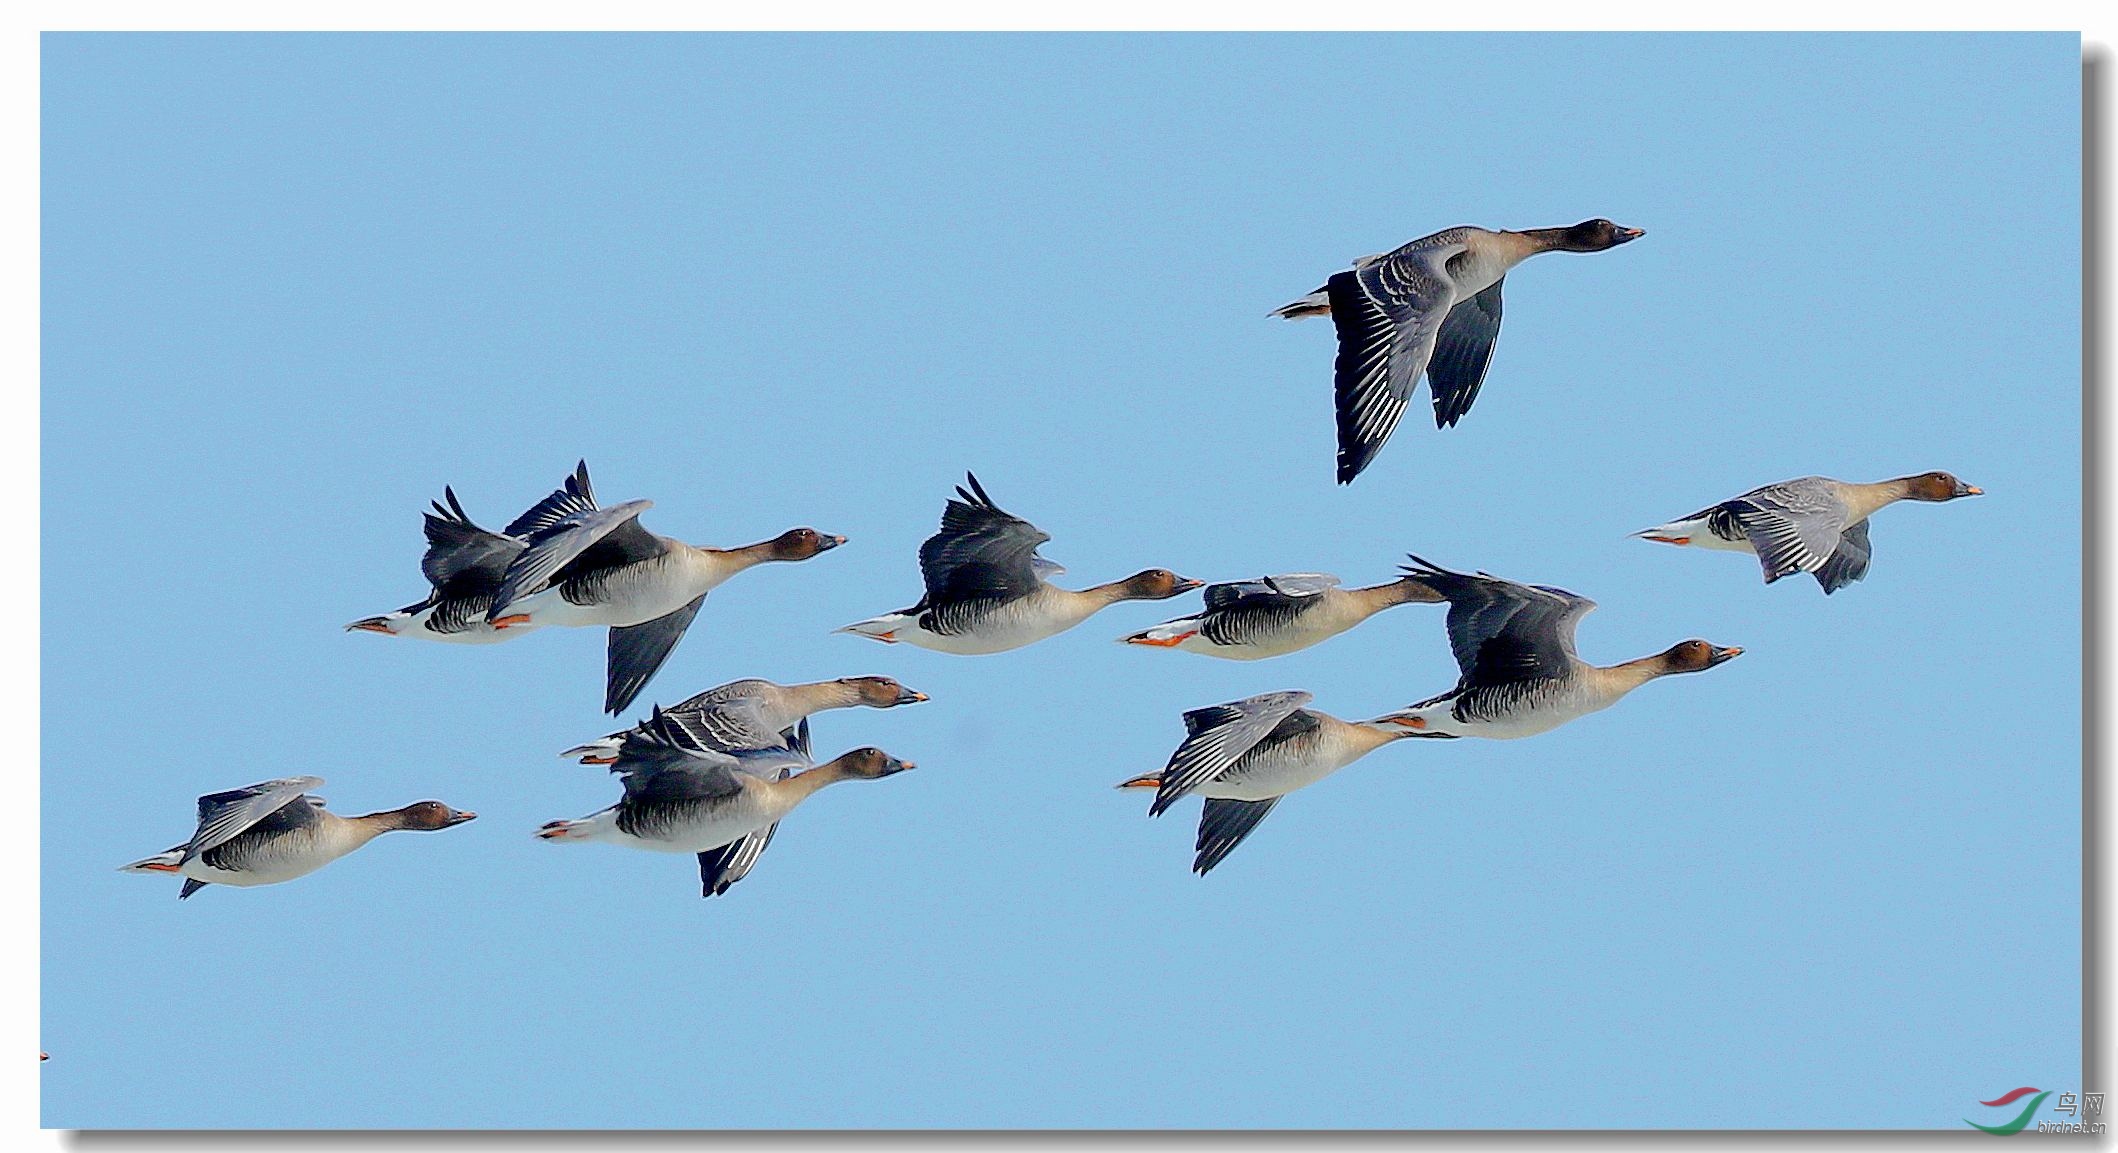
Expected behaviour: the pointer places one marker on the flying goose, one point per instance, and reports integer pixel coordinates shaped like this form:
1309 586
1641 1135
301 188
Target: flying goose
1811 524
465 565
755 714
1276 615
988 590
273 831
684 796
1431 306
1515 646
1245 755
584 565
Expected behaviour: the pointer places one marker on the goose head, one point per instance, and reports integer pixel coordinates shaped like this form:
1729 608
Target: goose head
881 692
427 816
1596 235
801 544
870 764
1695 656
1938 486
1155 584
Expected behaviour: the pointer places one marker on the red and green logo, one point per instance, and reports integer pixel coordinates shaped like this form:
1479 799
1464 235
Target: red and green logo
2009 1098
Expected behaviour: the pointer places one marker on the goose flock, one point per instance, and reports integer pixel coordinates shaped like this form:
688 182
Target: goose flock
714 775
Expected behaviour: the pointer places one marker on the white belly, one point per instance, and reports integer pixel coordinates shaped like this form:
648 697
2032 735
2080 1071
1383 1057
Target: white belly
270 872
1278 776
631 603
1045 613
743 815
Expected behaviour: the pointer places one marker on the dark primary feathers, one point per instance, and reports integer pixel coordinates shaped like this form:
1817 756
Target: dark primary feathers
574 495
635 653
1462 350
1222 826
981 553
462 558
1501 631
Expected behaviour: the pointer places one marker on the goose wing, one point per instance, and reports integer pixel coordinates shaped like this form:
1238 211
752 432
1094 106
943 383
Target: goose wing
1501 631
1222 826
981 551
225 816
636 653
729 717
660 764
462 558
1795 526
1240 610
1388 316
1216 736
1462 350
1848 562
566 544
719 868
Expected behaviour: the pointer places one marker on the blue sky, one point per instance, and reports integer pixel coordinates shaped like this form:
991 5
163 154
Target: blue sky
294 285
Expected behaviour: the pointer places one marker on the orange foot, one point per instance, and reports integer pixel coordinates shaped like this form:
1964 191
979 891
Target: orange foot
1143 781
1670 539
511 619
158 868
554 830
1161 642
599 759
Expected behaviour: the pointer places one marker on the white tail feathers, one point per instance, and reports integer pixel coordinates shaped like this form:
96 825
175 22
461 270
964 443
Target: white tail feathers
595 752
1165 635
162 862
883 628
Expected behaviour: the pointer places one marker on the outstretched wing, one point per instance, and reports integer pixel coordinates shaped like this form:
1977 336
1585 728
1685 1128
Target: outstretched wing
1848 562
573 496
1794 526
1222 826
459 552
1501 631
1462 350
224 816
552 548
636 653
722 867
1388 316
981 551
1216 737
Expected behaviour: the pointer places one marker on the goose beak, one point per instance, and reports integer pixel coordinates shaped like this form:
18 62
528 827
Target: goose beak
1632 233
459 816
907 696
1186 584
1727 654
1971 490
830 541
